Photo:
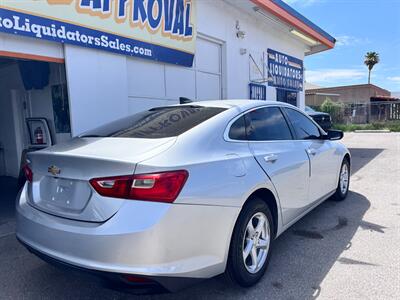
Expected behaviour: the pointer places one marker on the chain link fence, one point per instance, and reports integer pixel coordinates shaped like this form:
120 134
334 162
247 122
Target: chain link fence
356 113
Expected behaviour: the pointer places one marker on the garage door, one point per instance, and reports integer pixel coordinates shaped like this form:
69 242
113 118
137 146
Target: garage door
203 81
208 65
153 84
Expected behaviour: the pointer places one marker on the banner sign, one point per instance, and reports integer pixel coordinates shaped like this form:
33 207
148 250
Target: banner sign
284 71
161 30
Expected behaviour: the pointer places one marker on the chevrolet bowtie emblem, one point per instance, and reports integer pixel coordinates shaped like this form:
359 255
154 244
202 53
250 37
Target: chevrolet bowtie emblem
53 170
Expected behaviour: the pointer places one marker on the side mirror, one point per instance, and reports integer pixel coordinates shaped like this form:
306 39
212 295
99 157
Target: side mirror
333 135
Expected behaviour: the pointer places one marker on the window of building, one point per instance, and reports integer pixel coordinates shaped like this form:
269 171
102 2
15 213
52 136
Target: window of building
286 96
258 91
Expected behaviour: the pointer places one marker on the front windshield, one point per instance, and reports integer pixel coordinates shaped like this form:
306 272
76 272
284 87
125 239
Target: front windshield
309 109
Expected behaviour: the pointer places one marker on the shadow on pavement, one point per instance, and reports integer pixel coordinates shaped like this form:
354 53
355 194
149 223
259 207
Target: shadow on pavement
303 255
362 156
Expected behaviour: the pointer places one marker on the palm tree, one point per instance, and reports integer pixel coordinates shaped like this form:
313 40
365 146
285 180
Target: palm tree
371 59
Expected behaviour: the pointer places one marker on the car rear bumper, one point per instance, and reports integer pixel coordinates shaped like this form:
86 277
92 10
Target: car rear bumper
135 285
142 238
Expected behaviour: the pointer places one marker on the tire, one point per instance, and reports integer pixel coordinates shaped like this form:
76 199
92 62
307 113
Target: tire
244 272
341 193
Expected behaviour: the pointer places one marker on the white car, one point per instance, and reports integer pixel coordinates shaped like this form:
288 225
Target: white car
180 193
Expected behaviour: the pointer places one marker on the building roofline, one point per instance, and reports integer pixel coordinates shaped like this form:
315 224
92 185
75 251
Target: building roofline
348 87
321 94
305 20
283 11
384 98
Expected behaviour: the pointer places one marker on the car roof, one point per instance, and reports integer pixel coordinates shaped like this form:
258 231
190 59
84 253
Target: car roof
244 104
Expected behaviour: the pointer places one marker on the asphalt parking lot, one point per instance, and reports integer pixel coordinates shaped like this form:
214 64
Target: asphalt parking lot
346 250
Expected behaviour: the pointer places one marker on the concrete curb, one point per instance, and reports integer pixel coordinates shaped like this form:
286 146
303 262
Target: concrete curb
373 131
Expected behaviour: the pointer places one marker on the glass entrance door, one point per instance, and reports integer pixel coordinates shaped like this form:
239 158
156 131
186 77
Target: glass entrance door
286 96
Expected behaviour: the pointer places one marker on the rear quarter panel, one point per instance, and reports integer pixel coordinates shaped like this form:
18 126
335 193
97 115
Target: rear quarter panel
340 152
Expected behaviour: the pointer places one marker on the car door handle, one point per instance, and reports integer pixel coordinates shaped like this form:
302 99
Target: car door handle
312 151
271 158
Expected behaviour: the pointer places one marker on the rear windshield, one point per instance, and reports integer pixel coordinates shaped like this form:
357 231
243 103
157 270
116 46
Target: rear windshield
156 123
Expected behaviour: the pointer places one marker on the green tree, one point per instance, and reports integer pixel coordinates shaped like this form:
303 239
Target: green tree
371 59
334 109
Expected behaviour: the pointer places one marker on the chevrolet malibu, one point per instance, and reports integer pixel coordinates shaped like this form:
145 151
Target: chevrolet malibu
180 193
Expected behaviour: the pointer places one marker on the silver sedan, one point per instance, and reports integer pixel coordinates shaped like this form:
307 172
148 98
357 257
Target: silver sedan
180 193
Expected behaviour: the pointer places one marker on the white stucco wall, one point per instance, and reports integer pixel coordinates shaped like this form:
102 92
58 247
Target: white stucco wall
218 19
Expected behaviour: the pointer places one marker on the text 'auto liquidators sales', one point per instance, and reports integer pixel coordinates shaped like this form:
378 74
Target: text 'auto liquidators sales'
162 30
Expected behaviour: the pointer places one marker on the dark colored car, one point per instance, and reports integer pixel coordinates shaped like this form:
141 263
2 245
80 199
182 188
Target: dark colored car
323 119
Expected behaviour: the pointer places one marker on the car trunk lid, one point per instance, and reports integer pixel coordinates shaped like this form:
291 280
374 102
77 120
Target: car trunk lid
61 174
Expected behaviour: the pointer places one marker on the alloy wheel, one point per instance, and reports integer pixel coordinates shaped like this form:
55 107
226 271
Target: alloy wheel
344 179
256 242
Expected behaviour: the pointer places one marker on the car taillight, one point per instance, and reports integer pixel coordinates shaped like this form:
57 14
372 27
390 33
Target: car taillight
28 173
160 187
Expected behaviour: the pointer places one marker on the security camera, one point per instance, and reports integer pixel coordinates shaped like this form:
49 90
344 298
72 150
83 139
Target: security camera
240 34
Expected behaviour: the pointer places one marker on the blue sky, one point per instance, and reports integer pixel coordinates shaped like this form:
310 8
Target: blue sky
359 26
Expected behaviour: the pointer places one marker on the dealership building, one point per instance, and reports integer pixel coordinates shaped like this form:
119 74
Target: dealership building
71 65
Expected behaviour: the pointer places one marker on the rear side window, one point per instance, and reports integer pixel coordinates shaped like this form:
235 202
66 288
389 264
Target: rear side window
267 124
156 123
264 124
304 128
238 130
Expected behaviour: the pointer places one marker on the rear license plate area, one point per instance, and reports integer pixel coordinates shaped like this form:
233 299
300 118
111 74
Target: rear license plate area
60 194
